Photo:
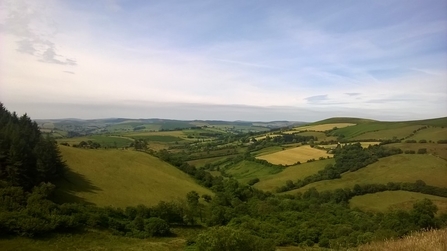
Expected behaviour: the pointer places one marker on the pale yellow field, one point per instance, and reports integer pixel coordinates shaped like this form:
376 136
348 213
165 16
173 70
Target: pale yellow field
293 155
322 128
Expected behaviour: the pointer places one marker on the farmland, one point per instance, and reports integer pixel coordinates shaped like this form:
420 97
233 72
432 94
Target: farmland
271 182
122 178
294 155
383 201
397 168
323 127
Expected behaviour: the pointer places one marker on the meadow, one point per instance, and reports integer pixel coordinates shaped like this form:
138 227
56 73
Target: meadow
397 168
432 133
399 133
383 201
123 178
104 140
246 170
293 155
322 127
271 181
439 150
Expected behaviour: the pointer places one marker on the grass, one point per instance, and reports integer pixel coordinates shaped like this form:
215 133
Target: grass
433 133
433 240
319 135
203 162
399 133
90 240
293 155
439 150
105 141
343 120
322 127
123 178
384 201
247 170
268 150
396 168
269 183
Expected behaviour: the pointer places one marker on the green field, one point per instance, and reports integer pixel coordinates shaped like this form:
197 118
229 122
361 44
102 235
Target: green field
90 240
433 133
398 133
271 182
439 150
123 178
203 162
383 201
268 150
247 170
105 141
397 168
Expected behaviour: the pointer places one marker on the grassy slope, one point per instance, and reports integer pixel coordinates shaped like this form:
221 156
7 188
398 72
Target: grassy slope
124 177
400 132
105 141
433 133
383 201
397 168
439 150
90 241
269 183
247 170
343 120
434 240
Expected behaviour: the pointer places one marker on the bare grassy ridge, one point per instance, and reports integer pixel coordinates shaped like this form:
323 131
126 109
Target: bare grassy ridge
123 178
434 240
293 155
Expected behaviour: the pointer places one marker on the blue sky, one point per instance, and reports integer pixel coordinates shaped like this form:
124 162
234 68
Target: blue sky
231 60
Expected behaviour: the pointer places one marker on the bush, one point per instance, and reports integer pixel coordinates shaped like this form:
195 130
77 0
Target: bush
422 151
227 238
156 227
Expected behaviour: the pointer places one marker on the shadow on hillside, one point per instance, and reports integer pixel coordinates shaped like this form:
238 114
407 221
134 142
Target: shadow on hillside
73 183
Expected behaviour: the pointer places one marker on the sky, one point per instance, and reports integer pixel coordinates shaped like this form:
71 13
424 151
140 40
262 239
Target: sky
226 60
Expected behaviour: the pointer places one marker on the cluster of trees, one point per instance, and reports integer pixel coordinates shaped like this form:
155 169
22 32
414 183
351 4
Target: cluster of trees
26 157
89 144
350 157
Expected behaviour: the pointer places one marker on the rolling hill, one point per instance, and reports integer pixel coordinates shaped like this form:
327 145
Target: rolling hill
122 178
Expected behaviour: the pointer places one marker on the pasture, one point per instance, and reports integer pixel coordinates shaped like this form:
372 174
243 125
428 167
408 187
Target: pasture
432 133
90 240
293 155
386 200
104 140
439 150
398 133
271 182
247 170
397 168
322 127
123 178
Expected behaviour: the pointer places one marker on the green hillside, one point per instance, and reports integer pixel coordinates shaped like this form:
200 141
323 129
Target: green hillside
271 182
383 201
343 120
396 168
123 178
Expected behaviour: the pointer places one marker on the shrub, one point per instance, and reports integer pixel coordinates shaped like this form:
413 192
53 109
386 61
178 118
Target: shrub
156 227
422 150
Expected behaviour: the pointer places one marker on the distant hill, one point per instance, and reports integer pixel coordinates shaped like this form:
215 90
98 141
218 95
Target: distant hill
343 120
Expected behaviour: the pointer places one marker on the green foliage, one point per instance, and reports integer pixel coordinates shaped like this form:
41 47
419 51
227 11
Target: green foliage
26 158
226 238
